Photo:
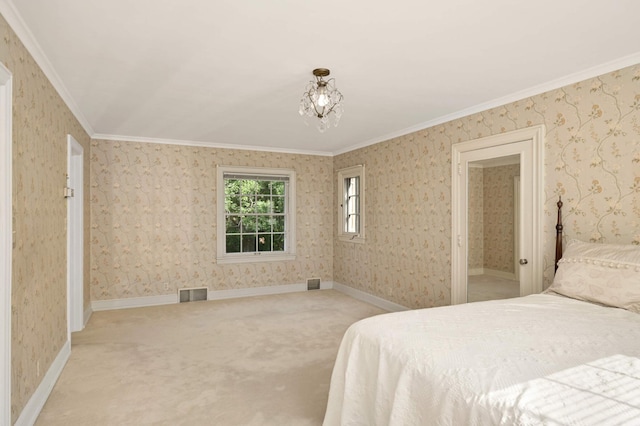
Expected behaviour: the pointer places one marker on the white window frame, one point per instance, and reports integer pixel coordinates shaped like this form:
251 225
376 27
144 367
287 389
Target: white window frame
343 235
290 222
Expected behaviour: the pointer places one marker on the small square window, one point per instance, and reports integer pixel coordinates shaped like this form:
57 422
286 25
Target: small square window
351 202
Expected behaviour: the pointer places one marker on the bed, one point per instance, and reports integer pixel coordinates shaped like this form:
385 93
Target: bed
570 355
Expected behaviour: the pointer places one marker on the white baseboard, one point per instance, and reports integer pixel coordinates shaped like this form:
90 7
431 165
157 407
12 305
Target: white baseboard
167 299
475 271
263 291
133 302
87 315
139 302
255 291
369 298
31 411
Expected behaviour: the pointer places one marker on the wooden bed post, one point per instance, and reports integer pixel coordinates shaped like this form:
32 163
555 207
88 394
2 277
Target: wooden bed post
559 233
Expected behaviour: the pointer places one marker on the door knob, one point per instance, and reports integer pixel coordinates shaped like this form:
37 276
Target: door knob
523 261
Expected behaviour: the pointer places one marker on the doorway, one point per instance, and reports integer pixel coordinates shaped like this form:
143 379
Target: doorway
7 237
75 237
526 146
492 207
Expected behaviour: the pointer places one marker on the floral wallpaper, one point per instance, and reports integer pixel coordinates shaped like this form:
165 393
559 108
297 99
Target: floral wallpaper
41 122
491 218
592 159
153 220
498 216
408 215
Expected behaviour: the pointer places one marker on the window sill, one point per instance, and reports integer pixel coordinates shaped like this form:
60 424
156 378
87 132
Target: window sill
255 258
358 239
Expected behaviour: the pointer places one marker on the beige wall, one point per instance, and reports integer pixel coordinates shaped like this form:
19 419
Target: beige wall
592 158
41 122
498 217
405 258
153 216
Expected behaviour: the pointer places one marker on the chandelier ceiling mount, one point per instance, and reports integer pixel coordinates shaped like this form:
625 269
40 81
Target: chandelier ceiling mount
322 100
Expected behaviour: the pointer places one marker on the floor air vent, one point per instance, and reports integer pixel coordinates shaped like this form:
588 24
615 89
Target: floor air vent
313 284
192 294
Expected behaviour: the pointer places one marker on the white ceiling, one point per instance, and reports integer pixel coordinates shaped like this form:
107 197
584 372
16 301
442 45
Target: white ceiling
231 73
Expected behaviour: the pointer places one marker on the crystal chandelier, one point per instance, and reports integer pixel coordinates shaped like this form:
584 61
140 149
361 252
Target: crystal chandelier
321 99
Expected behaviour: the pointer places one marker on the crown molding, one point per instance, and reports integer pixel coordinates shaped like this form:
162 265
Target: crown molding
17 24
122 138
15 21
598 70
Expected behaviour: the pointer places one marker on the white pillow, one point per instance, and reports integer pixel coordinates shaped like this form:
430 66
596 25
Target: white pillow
608 274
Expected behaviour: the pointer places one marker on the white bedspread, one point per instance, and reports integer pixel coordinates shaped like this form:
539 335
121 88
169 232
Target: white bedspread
539 359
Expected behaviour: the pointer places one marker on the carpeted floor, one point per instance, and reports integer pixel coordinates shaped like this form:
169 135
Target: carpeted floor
488 287
253 361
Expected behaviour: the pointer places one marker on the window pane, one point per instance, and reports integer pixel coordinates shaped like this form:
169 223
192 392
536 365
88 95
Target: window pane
248 243
233 224
353 223
232 204
255 216
233 243
264 242
352 185
278 204
248 204
278 242
248 224
278 223
249 186
277 188
264 204
231 187
264 223
265 187
353 204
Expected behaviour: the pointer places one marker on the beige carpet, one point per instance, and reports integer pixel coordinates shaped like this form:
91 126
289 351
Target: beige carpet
487 287
253 361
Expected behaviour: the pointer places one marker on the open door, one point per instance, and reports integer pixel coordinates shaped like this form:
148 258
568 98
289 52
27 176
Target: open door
75 236
6 243
526 144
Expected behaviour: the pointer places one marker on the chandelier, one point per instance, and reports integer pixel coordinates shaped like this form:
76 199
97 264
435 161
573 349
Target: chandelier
321 99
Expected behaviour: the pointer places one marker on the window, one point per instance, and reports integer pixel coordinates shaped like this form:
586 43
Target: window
351 214
256 214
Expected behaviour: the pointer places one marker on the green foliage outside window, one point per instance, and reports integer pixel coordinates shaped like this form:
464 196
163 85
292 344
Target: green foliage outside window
254 215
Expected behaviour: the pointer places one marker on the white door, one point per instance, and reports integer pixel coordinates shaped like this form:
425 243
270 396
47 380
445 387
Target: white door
516 225
6 244
527 144
75 220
